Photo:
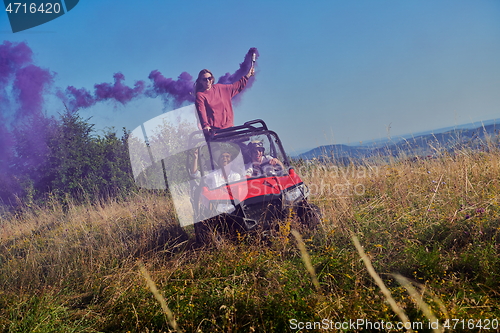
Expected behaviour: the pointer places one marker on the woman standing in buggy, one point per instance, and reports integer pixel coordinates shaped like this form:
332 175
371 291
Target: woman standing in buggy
213 101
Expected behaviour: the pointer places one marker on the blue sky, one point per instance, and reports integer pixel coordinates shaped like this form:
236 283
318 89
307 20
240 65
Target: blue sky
329 71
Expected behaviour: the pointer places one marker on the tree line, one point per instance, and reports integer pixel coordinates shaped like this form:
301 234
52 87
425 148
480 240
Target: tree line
63 157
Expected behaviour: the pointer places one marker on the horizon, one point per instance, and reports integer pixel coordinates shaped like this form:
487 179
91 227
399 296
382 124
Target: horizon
465 126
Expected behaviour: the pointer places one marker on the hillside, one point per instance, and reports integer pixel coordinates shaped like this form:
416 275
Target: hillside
422 145
436 222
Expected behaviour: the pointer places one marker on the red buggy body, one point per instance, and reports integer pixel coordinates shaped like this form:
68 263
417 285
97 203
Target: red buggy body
252 201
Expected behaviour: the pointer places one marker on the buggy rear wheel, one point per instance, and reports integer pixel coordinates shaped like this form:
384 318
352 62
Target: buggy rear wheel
214 231
208 233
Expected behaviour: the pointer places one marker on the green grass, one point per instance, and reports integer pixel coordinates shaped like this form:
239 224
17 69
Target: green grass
434 221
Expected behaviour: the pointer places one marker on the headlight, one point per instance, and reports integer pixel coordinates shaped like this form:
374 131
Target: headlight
224 208
295 194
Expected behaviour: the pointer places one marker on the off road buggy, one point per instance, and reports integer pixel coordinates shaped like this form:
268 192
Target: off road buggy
243 201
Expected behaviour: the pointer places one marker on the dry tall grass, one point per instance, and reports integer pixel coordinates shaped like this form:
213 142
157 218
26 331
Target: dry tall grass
58 245
435 221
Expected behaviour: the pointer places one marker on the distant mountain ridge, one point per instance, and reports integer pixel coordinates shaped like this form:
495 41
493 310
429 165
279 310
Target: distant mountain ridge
420 145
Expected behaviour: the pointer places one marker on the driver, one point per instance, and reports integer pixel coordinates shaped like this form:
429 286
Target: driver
261 163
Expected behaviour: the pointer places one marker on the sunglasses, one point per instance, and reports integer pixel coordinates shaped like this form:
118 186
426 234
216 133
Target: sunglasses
207 78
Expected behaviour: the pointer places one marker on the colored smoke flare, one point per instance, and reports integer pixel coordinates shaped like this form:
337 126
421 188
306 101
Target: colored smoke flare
243 70
178 91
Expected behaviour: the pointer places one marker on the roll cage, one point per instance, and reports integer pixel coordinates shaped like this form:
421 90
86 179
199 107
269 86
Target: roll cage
239 135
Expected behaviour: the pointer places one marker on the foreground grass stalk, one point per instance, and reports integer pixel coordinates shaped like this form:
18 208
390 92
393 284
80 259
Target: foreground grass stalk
420 302
369 267
433 196
306 259
159 298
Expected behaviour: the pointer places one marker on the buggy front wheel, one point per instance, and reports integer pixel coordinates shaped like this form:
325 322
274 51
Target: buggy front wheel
309 214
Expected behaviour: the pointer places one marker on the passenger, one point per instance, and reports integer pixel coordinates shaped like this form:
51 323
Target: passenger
213 101
261 164
219 177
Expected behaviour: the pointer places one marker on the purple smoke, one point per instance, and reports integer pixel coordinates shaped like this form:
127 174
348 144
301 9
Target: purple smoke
243 70
82 98
30 84
24 128
6 144
178 91
12 57
23 125
181 90
118 91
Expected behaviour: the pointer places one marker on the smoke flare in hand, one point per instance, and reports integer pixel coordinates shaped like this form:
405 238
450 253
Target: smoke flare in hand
170 90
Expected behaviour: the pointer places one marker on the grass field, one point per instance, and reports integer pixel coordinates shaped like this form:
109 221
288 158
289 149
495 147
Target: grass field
433 221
